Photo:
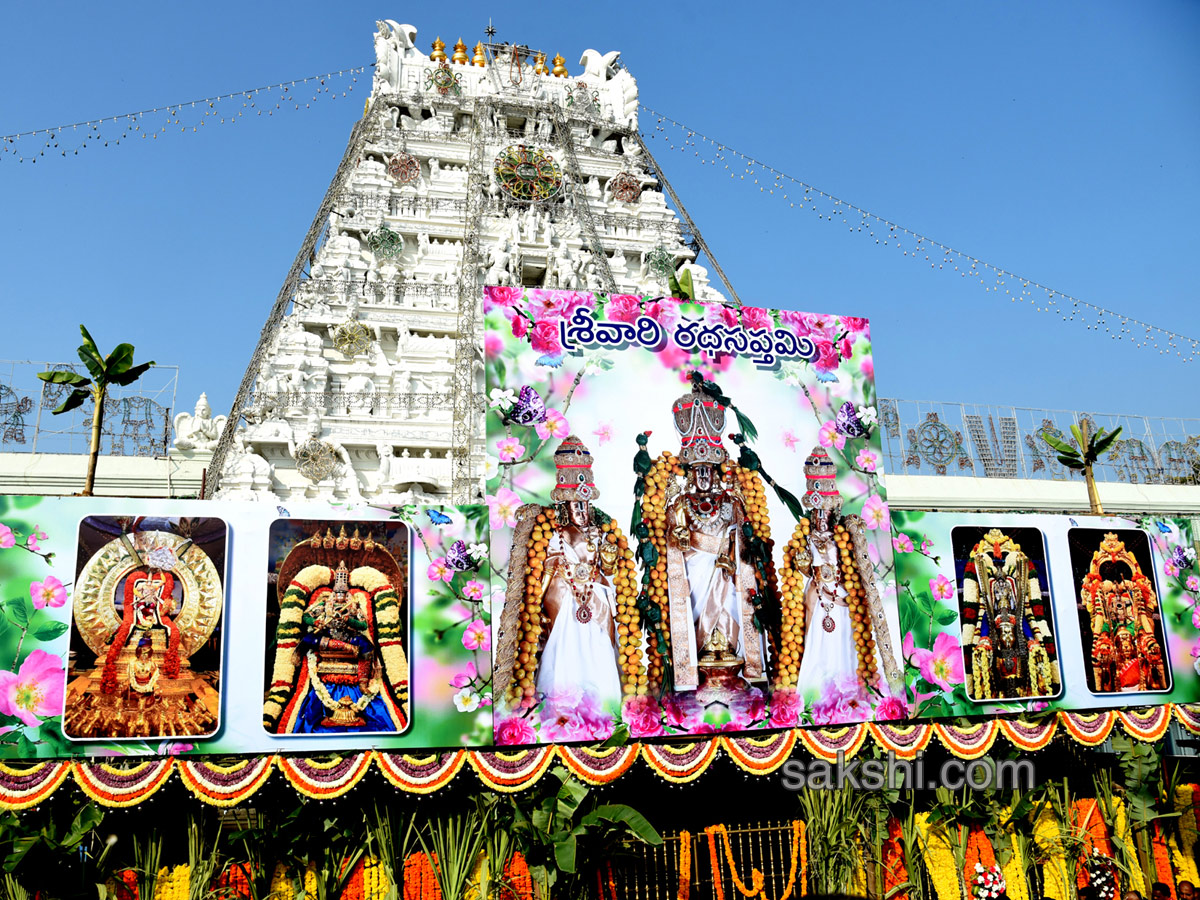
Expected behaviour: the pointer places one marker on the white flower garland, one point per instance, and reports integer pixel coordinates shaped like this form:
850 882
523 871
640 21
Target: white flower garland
323 692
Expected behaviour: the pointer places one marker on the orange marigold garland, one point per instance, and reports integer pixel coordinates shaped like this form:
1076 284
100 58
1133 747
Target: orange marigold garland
1162 860
685 865
803 847
756 877
650 528
516 874
715 863
895 872
791 590
420 878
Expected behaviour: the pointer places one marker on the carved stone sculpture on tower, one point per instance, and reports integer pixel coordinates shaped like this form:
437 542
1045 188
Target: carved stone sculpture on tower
198 430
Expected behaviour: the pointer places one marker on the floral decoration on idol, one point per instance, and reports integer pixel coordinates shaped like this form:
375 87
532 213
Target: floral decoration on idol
33 618
534 382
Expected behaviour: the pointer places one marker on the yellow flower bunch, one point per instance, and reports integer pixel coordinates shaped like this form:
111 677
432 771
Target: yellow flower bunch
1183 859
1048 838
939 860
1137 881
1014 870
791 589
172 884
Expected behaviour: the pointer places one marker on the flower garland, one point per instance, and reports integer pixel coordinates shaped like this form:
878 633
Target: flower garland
802 831
326 698
988 882
1101 875
685 865
756 877
634 677
759 548
1183 857
420 878
1014 870
653 603
1137 881
797 841
287 637
715 863
1162 860
895 872
389 631
939 859
791 590
1048 838
1087 818
516 873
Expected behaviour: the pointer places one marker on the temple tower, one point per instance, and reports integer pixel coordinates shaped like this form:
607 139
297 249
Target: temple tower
498 167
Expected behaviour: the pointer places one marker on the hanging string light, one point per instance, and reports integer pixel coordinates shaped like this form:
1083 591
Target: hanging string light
191 115
915 246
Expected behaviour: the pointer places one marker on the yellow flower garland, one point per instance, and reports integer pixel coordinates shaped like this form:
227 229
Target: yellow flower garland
1014 870
1054 871
1137 881
1183 859
939 860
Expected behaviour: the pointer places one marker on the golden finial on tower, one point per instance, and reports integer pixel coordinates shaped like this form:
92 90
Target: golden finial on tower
479 59
439 50
560 68
539 65
460 57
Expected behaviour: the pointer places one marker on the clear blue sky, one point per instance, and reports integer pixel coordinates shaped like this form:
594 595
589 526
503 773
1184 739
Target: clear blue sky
1058 140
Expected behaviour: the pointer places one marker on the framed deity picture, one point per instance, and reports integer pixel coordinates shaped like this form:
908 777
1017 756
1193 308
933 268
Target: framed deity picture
1009 638
1120 617
145 649
337 641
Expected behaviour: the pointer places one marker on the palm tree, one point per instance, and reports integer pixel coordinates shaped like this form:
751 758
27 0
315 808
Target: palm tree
1091 448
115 369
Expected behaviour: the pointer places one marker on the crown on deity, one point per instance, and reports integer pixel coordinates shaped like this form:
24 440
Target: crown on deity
328 541
820 481
574 479
700 420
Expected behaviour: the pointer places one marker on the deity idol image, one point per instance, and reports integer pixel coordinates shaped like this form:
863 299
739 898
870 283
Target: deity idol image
1123 620
339 659
834 630
146 615
1008 645
569 626
705 519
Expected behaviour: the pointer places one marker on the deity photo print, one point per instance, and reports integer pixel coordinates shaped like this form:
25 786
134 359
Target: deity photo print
146 628
649 460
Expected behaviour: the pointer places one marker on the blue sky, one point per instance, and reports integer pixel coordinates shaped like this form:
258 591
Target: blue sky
1060 141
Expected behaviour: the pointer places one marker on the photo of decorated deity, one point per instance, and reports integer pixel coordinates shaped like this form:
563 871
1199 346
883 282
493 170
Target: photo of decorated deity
146 635
1120 617
1006 610
337 628
633 482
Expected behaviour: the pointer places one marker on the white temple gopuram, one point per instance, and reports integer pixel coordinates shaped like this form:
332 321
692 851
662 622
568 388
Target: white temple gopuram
488 166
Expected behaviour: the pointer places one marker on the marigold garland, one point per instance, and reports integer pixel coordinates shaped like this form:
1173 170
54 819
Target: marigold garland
653 601
685 865
715 863
1137 881
1183 852
516 873
803 845
1014 870
939 859
1048 838
895 872
756 877
420 878
1162 860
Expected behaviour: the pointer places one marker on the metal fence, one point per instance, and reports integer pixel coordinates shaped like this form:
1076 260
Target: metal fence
925 438
137 419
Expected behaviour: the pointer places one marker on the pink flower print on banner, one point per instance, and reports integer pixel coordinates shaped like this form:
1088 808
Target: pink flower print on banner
643 715
7 538
544 338
439 570
477 636
1196 616
543 305
829 356
942 588
520 326
875 514
32 541
891 708
554 426
604 433
510 448
1169 567
494 297
867 459
790 440
856 325
473 590
664 312
493 345
48 593
35 690
829 436
728 316
902 543
821 325
943 664
623 308
515 730
756 318
1193 583
462 679
867 367
786 708
502 508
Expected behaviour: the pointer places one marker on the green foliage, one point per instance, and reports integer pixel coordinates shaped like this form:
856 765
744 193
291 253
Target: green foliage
455 842
115 369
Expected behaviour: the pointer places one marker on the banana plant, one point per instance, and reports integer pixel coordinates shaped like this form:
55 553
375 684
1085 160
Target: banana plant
116 369
1083 457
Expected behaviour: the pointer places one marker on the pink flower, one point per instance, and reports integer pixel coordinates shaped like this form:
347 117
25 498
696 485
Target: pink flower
174 748
756 318
797 321
515 730
1170 568
842 703
907 646
493 344
502 508
477 636
867 367
829 436
926 545
820 324
942 588
786 708
891 708
510 448
875 513
867 459
790 440
728 316
1193 583
555 426
603 433
48 593
520 326
682 710
543 304
573 716
746 709
643 715
902 543
7 538
462 679
856 325
544 338
38 535
500 296
829 357
674 358
473 590
1196 616
623 308
566 302
664 312
943 664
439 570
35 690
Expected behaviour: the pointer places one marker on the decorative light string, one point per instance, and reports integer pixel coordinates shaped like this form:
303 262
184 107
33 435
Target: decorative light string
918 247
69 140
